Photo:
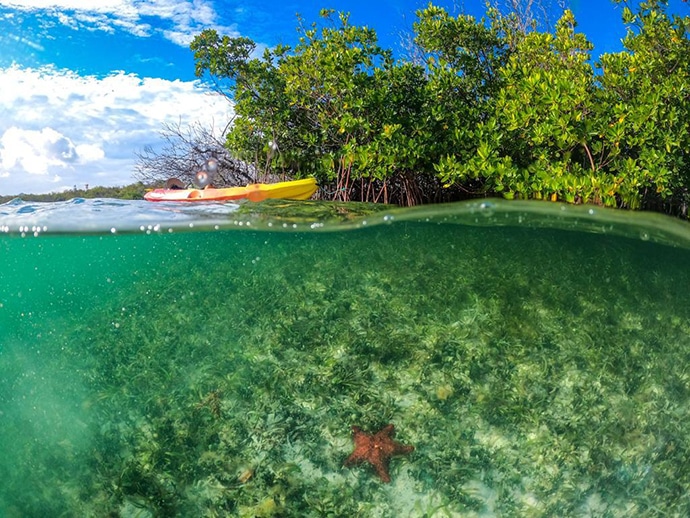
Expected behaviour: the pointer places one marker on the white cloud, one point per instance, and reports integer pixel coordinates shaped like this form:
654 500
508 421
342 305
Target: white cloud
86 129
90 152
179 20
36 151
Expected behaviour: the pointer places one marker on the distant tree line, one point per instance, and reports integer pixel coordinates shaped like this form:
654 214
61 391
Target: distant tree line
501 105
134 191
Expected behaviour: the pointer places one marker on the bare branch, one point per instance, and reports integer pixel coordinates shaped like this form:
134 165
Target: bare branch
532 14
185 150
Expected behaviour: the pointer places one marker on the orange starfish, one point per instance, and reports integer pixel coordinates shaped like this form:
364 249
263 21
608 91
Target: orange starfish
376 449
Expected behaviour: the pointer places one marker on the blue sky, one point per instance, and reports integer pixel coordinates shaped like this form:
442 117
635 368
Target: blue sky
85 84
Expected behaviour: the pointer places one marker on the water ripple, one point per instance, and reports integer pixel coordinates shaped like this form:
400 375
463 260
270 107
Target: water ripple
111 216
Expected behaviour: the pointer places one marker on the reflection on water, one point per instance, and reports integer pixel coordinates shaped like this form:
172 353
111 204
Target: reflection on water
536 371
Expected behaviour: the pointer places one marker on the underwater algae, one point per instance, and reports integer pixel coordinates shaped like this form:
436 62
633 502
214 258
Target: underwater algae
535 372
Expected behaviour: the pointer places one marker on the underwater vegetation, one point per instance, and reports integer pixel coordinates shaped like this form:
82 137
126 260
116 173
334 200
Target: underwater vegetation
535 373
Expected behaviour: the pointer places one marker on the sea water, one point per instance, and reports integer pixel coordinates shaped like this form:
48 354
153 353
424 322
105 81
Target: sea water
211 360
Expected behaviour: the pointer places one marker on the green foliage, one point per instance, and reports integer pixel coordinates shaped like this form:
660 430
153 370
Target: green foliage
222 57
329 83
494 107
646 90
133 191
534 141
336 105
558 130
464 60
473 50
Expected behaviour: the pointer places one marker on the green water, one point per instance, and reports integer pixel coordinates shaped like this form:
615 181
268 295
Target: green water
537 372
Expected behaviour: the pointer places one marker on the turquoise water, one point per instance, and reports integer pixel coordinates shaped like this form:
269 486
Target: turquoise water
158 360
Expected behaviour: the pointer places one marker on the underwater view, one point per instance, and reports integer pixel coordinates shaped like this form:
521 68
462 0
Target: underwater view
249 360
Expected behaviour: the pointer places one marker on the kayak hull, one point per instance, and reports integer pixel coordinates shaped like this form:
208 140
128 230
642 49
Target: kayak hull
293 190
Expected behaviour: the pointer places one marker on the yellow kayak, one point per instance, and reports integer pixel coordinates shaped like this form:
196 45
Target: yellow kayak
293 190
